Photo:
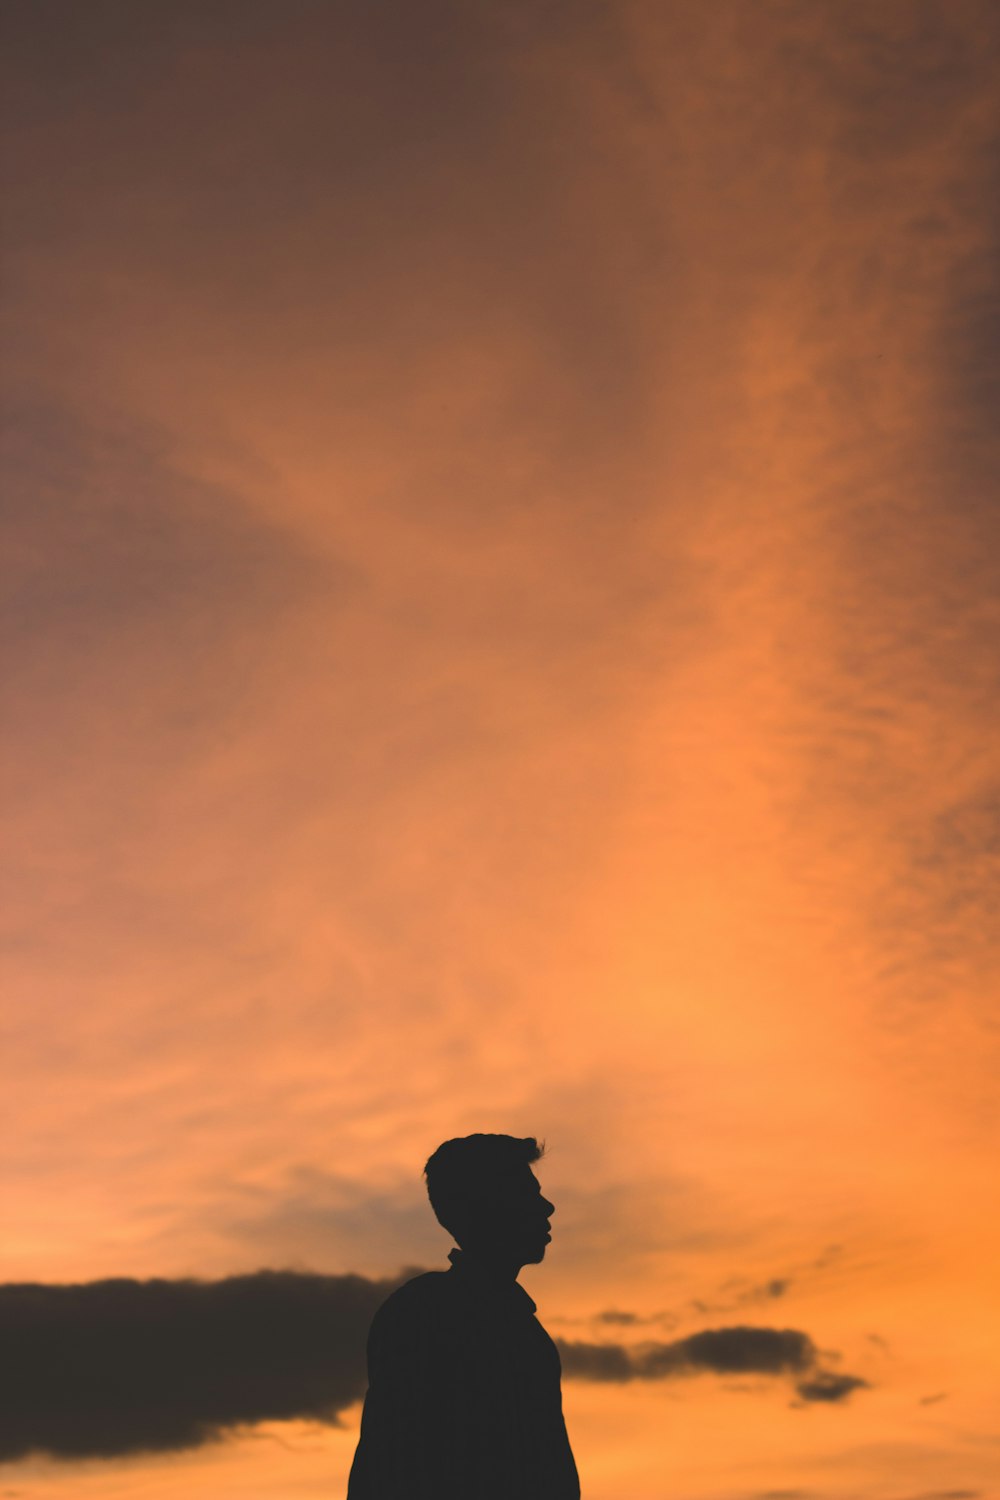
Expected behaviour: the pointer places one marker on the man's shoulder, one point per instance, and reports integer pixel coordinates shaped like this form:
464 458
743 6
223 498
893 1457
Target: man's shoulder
422 1297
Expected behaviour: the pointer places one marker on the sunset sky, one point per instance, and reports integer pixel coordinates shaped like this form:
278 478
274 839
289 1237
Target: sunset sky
501 631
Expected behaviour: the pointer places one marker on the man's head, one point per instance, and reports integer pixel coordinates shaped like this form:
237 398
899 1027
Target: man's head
484 1193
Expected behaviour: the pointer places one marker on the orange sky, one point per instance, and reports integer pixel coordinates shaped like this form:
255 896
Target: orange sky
501 624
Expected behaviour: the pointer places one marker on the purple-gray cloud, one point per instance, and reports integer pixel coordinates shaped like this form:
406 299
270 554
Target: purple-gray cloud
723 1351
121 1366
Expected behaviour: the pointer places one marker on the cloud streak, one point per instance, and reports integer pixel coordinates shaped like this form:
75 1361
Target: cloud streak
110 1368
739 1350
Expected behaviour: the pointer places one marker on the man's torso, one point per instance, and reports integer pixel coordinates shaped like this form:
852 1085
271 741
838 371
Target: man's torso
464 1392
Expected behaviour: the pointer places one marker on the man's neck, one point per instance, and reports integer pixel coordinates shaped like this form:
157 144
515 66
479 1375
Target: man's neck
487 1267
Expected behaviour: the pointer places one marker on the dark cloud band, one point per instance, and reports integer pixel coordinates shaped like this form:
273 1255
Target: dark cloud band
739 1350
109 1368
116 1367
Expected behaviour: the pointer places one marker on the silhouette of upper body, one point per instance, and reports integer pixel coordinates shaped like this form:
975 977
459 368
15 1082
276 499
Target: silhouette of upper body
464 1399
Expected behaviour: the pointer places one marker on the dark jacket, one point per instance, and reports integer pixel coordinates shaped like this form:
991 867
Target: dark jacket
464 1398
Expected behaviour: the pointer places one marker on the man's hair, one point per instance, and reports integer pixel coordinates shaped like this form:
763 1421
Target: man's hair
462 1170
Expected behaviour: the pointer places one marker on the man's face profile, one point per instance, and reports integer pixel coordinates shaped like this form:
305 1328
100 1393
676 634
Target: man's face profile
511 1217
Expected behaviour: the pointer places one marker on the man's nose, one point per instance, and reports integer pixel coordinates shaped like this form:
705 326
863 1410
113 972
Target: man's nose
549 1208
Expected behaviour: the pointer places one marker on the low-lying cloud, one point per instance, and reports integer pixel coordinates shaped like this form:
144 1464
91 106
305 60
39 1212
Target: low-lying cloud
740 1350
110 1368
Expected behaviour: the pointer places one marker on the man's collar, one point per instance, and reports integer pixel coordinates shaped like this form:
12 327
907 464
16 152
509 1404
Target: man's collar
486 1283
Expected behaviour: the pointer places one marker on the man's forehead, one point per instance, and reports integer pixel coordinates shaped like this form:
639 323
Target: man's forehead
520 1179
508 1182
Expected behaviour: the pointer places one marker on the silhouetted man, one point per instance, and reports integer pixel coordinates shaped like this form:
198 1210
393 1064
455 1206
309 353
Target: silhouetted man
464 1398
